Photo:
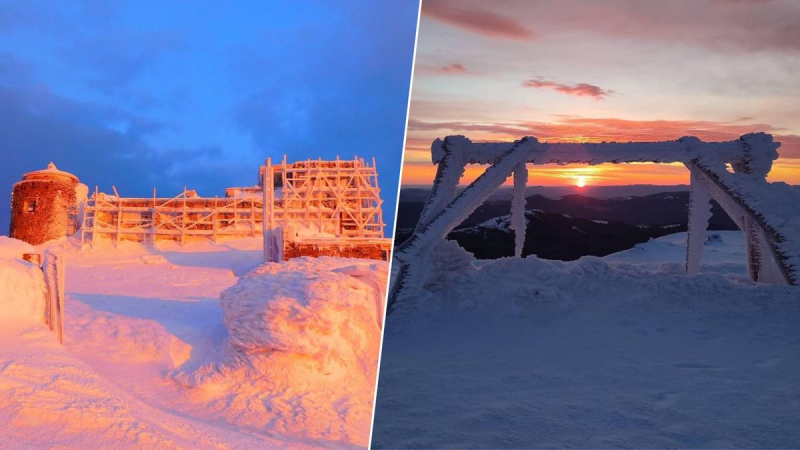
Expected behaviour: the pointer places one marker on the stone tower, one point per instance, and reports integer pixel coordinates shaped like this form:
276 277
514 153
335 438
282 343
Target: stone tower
41 205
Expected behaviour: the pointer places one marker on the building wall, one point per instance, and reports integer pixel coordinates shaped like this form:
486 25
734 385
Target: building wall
294 249
50 220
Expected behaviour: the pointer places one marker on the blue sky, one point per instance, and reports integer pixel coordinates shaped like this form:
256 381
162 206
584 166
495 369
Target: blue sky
197 93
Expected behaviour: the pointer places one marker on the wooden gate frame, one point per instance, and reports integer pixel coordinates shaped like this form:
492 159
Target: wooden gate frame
750 158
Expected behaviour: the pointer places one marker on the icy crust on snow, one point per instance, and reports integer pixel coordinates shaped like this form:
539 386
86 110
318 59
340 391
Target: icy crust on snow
757 149
22 288
618 352
302 348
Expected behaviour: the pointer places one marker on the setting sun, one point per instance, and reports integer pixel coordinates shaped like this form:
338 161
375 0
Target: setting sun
580 181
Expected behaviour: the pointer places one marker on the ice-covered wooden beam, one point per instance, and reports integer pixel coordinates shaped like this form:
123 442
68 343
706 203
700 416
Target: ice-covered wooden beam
754 152
767 213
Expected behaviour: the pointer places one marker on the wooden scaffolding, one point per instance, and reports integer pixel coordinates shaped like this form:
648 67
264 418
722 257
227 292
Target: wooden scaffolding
332 201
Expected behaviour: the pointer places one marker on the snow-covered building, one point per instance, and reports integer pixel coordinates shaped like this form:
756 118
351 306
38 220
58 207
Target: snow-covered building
312 208
43 204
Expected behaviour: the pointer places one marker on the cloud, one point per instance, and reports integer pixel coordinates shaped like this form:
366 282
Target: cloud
450 69
476 20
37 126
579 90
116 59
725 26
582 129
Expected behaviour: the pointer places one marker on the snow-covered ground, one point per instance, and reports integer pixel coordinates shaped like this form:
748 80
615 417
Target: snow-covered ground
148 361
621 351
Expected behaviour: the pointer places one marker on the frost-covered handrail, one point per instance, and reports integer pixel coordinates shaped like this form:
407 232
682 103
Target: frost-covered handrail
757 150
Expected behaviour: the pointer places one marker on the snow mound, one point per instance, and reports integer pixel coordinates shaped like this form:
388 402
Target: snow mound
11 248
307 306
21 284
625 351
302 348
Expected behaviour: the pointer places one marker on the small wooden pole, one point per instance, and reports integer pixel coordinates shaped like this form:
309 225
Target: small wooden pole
94 215
154 214
252 218
214 221
183 218
119 212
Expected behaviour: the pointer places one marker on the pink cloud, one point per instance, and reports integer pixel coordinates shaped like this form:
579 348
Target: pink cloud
475 20
571 129
450 69
453 68
580 89
728 26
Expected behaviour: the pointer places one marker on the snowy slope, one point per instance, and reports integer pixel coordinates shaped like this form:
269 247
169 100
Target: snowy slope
622 351
141 324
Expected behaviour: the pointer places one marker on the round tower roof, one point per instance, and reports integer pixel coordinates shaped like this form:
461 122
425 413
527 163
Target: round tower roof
49 173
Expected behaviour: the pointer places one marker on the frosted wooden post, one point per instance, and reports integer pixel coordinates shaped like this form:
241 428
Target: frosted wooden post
271 251
252 218
83 221
752 244
153 217
449 170
699 214
53 265
119 212
94 216
763 263
467 201
183 218
214 221
518 208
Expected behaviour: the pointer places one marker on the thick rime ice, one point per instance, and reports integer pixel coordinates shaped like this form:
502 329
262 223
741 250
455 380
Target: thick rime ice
470 198
699 214
448 173
772 229
518 221
772 206
685 150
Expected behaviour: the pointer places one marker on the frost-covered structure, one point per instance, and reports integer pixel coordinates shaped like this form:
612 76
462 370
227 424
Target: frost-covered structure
768 213
304 208
43 203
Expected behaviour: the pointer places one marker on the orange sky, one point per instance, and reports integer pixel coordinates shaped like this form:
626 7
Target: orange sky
643 71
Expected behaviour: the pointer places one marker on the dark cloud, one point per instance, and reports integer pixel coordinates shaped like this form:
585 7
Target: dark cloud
144 94
579 90
476 20
37 127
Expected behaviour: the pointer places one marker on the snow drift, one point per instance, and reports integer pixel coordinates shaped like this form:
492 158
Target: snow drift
624 351
302 348
21 284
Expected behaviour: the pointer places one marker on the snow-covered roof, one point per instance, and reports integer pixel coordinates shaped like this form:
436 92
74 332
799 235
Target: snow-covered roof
50 172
